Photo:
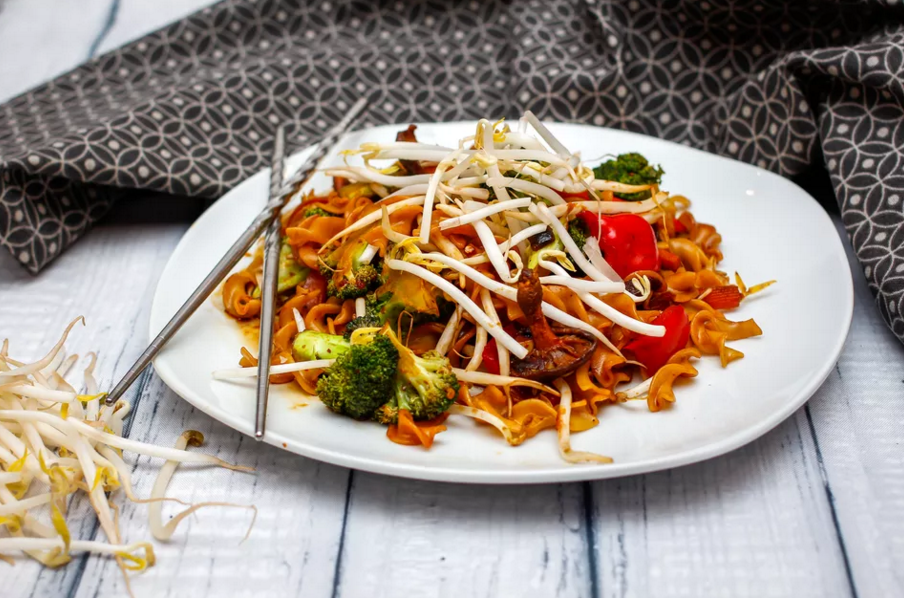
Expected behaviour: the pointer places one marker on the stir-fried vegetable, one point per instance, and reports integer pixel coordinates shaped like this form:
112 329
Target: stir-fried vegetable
627 241
291 273
310 345
424 386
376 376
579 231
557 352
401 294
653 353
631 169
362 379
352 270
546 245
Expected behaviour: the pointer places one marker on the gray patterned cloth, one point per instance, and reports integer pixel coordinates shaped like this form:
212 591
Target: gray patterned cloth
190 110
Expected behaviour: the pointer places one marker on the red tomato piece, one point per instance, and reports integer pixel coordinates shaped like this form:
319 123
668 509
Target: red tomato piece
627 241
655 352
579 196
491 357
668 260
726 297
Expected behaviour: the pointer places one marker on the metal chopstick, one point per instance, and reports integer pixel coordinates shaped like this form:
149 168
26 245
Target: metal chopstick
235 253
268 292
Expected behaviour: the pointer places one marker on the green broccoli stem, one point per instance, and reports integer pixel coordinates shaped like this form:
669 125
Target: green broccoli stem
310 345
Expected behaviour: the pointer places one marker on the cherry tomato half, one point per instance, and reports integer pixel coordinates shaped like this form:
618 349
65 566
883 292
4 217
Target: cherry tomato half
491 357
627 241
655 352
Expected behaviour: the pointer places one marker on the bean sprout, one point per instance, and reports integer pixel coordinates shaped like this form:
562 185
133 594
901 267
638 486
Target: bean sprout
563 429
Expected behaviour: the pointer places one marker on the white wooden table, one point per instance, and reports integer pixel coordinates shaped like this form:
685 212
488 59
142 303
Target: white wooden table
814 508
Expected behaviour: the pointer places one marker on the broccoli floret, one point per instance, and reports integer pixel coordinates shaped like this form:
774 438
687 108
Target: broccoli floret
362 379
375 378
425 386
318 211
310 345
356 284
368 320
374 316
631 169
579 232
351 278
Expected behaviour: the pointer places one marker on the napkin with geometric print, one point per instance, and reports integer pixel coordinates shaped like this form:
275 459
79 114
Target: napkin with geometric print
191 108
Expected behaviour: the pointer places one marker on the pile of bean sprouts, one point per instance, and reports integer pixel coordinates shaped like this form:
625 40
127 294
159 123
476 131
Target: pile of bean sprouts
58 444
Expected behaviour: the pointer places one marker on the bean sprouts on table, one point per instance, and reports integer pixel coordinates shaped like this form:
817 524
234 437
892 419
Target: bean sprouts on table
58 444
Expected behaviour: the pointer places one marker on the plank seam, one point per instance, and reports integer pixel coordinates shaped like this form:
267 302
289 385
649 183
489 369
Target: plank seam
82 564
830 496
337 572
105 30
590 540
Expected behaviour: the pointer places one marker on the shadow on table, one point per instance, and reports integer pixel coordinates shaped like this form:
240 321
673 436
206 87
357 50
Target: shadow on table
154 208
139 208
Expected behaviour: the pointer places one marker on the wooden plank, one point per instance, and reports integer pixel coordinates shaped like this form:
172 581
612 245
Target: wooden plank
857 419
405 537
40 39
755 522
135 18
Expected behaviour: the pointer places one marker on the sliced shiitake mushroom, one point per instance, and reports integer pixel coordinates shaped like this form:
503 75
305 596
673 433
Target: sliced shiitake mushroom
557 351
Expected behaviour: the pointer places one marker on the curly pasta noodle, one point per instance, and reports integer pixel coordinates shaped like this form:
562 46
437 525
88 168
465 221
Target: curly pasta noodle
708 240
690 254
237 296
316 319
303 302
314 230
588 397
661 392
709 332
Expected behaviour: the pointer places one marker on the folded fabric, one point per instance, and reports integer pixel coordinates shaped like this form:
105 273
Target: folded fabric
191 109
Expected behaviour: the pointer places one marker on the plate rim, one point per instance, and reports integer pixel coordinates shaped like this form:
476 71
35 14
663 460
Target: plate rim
577 472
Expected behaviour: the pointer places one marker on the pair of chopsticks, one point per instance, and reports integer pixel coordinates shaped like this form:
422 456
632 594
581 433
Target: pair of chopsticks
268 220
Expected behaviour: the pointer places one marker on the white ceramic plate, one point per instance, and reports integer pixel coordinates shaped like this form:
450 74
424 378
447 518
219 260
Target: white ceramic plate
771 228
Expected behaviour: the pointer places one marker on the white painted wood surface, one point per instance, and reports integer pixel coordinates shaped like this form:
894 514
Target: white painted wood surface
814 508
38 39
